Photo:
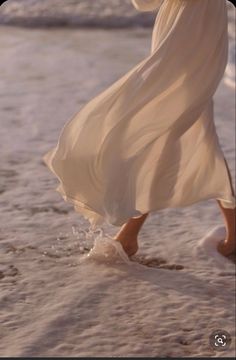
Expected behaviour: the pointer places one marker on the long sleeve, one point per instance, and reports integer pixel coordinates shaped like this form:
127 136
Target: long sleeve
147 5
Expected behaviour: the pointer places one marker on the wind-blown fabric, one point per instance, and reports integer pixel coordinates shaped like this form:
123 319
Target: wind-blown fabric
148 142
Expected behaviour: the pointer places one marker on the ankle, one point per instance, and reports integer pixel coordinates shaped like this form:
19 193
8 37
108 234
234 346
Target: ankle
230 237
126 238
127 233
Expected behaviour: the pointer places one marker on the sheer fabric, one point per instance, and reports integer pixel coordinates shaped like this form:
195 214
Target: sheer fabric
148 142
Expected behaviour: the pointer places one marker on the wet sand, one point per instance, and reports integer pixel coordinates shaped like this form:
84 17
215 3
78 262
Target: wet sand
51 302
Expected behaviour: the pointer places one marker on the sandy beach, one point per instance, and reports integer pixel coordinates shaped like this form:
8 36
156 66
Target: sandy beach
52 301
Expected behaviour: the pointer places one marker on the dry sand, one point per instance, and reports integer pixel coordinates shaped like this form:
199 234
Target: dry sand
51 303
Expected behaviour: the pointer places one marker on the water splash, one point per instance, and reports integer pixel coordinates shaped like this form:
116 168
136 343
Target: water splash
78 242
107 250
86 244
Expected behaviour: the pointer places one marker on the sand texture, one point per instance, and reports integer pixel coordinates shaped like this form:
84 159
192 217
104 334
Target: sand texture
174 293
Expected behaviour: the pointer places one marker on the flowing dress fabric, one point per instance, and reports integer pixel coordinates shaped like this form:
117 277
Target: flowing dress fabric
149 142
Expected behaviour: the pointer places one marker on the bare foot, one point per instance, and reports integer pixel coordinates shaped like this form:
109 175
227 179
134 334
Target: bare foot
129 246
128 234
227 248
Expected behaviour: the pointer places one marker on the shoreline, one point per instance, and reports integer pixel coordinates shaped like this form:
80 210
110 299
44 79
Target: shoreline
102 14
82 13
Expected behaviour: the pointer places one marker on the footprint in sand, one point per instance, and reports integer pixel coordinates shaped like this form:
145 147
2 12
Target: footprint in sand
11 271
155 262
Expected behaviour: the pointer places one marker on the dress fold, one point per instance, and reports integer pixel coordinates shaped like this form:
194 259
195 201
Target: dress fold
149 142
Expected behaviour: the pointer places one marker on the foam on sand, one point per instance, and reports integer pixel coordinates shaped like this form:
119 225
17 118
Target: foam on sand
106 249
210 242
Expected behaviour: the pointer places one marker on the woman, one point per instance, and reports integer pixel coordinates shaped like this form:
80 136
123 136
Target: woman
149 142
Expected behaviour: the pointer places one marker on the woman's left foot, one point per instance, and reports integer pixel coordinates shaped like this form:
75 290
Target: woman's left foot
130 247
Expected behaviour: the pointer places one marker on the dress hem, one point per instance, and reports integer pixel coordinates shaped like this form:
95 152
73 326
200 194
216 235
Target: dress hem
95 218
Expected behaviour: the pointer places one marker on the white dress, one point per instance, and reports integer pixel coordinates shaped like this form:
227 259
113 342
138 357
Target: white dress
148 142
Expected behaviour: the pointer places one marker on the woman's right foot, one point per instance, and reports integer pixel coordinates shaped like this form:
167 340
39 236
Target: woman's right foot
227 248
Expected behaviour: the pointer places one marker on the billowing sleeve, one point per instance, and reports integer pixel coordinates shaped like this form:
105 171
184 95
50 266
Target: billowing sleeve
147 5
